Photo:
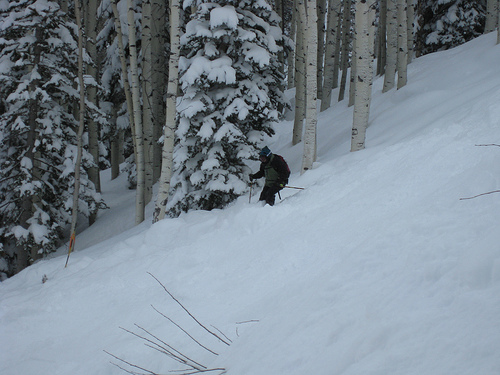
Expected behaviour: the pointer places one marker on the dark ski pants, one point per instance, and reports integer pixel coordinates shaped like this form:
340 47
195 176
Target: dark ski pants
268 194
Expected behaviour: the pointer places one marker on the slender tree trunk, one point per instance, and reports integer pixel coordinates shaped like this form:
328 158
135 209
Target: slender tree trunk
338 47
321 16
365 16
498 21
402 43
392 45
330 53
309 156
281 54
346 37
147 95
491 16
159 80
170 125
300 72
353 75
116 145
76 192
126 85
411 31
382 39
135 86
292 55
91 70
27 200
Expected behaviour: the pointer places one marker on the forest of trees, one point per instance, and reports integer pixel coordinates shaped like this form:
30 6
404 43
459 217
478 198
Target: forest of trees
183 94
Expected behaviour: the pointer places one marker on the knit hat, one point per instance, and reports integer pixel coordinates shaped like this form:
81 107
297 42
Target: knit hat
265 152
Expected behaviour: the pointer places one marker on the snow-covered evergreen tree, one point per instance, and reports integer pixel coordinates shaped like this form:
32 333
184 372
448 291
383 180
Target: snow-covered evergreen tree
447 23
229 75
38 55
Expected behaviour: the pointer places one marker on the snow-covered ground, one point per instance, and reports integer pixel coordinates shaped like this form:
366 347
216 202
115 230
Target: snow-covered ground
378 267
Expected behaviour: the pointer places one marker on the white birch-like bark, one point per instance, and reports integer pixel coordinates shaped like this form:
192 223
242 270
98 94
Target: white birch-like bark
353 75
136 105
365 16
346 25
402 44
338 47
321 16
411 30
300 72
392 45
147 94
76 192
330 54
309 156
170 124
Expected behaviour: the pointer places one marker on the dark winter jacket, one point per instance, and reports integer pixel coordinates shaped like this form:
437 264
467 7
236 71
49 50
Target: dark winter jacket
275 170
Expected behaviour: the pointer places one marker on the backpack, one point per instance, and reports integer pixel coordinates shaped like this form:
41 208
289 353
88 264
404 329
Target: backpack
285 168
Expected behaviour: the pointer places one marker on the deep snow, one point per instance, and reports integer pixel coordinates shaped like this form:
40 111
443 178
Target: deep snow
376 268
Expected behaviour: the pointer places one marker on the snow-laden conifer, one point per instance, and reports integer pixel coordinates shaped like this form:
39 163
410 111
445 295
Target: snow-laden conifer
38 55
448 23
229 75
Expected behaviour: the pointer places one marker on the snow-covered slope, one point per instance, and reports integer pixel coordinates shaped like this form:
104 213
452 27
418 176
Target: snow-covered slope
376 268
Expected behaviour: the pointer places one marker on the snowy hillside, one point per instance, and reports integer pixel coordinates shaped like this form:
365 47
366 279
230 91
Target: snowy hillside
378 267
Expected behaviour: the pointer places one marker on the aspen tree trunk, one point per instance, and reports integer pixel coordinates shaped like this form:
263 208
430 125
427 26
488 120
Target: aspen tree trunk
159 80
346 25
498 21
114 154
76 192
300 72
411 31
292 54
498 27
170 124
147 94
309 156
382 40
91 69
126 85
365 16
330 54
338 47
136 105
491 16
402 43
352 81
281 54
321 15
392 45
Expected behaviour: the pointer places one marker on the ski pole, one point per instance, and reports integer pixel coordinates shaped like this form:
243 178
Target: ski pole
250 198
294 187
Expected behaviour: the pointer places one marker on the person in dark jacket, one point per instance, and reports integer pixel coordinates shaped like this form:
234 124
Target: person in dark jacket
274 168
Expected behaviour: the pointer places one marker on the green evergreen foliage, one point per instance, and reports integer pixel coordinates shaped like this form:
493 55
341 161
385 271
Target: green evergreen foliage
229 75
38 54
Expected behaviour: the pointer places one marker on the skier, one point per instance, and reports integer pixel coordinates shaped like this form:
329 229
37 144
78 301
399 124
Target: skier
276 171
